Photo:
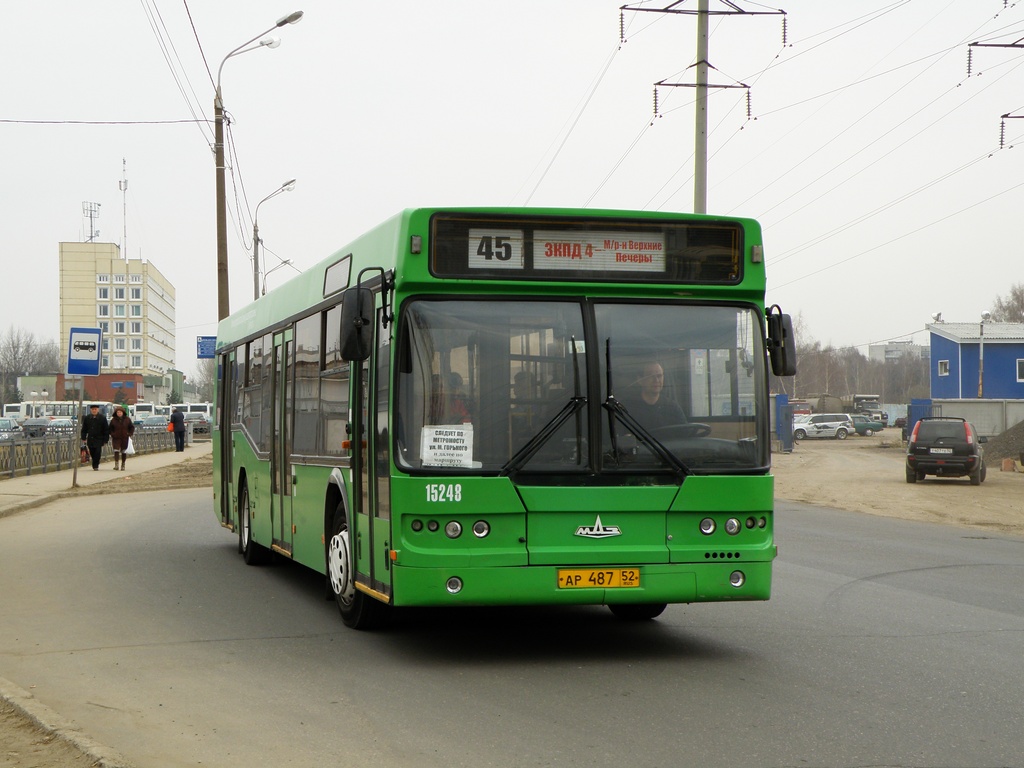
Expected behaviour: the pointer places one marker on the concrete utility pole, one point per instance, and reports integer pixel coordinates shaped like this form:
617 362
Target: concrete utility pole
702 65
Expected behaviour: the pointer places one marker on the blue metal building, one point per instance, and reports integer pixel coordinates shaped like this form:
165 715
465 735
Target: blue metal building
977 360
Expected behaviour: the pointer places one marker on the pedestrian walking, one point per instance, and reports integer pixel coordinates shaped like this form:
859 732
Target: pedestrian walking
121 430
95 434
178 427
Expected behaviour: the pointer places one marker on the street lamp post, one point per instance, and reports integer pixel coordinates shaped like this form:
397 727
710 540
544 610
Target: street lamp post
985 317
223 302
288 186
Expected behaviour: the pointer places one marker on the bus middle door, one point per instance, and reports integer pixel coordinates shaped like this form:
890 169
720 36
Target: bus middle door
281 480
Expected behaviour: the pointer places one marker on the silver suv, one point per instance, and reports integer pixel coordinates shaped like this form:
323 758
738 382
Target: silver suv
9 429
837 425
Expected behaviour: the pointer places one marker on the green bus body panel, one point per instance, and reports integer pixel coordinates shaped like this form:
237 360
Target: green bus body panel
538 585
637 513
493 499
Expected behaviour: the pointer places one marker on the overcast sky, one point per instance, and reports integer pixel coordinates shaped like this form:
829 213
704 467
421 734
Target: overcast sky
870 156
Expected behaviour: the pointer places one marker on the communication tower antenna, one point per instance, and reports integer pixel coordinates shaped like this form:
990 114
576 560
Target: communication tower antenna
123 186
92 211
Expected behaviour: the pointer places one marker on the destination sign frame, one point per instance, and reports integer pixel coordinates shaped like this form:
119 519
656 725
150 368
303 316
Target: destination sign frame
478 246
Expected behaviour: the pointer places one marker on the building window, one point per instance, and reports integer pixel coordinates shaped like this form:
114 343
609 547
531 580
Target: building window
134 278
1020 371
119 294
102 278
103 294
119 326
119 310
137 345
136 361
136 326
119 279
106 362
119 345
106 345
102 310
136 294
136 310
943 367
105 327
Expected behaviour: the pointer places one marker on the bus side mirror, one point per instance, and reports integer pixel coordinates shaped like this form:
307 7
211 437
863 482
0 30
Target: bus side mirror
781 343
356 323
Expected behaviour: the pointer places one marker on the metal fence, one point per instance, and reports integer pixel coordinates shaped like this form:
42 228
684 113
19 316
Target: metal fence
27 456
991 417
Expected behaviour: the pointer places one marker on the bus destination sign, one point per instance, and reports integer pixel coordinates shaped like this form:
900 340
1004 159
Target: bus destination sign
562 248
570 251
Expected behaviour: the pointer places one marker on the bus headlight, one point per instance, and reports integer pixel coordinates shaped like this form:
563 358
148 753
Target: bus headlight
737 579
453 529
707 526
454 585
732 526
481 528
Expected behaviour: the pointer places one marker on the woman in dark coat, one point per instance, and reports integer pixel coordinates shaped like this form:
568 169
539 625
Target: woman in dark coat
121 428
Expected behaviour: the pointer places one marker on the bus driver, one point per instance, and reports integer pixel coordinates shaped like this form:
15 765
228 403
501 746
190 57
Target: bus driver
650 408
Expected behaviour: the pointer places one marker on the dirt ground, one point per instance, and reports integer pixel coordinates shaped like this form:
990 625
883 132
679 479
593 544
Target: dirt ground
859 474
866 474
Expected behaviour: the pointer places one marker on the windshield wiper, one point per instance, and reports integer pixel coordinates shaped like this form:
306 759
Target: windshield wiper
617 411
574 406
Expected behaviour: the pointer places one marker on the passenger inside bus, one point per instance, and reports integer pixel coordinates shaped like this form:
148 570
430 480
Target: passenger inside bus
448 405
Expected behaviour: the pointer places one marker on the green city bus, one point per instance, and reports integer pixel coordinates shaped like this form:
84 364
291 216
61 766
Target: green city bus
522 406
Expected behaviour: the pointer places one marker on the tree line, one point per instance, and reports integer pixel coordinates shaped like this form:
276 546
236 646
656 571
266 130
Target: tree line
22 354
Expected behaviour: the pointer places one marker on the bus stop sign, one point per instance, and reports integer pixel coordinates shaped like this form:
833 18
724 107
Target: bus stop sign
84 351
205 347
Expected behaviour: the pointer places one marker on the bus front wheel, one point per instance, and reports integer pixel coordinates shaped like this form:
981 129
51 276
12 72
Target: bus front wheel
357 610
643 612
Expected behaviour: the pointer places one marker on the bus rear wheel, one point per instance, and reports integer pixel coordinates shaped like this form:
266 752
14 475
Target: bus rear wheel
643 612
252 553
357 610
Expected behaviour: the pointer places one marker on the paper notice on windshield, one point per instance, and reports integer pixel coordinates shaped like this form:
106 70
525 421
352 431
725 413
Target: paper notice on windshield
447 445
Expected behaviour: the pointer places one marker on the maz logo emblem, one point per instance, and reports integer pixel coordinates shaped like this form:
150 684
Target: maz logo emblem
598 530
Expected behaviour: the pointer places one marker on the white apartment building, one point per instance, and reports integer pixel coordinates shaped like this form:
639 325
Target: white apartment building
128 299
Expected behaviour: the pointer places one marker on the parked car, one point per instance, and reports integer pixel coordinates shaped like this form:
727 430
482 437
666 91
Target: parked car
200 424
61 427
837 425
864 425
9 429
153 424
945 446
34 427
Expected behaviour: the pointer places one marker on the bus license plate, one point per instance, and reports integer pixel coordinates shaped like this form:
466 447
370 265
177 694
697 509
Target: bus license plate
602 578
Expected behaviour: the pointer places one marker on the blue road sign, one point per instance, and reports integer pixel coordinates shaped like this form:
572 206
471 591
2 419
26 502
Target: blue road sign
206 347
84 351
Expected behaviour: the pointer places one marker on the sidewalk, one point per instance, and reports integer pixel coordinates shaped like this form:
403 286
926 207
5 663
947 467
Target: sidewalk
20 493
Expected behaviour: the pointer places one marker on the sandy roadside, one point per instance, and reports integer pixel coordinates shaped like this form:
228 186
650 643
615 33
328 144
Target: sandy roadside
866 474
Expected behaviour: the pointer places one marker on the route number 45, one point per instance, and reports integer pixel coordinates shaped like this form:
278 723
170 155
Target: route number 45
494 248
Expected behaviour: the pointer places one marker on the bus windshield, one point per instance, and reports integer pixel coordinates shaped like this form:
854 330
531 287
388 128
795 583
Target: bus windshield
573 386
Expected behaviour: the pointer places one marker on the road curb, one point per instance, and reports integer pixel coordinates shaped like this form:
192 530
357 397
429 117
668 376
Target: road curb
48 720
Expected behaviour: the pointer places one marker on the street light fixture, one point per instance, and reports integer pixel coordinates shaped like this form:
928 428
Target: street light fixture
284 263
223 303
288 186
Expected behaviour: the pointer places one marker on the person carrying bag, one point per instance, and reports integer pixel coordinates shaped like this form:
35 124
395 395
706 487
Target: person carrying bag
121 430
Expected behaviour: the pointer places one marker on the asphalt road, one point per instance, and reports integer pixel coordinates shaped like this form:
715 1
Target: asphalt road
886 643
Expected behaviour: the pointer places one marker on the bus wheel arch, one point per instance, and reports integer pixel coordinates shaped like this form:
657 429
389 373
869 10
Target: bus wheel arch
252 553
358 611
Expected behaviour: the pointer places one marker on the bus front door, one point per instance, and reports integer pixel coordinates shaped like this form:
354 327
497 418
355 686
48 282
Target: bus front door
372 536
281 479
